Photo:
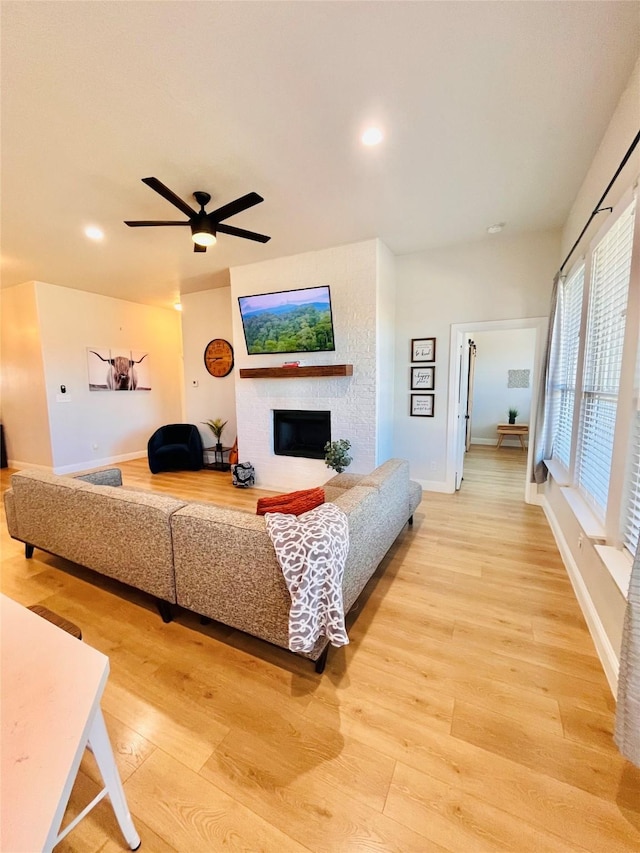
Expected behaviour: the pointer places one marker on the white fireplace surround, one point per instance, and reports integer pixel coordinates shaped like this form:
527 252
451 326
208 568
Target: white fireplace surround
360 287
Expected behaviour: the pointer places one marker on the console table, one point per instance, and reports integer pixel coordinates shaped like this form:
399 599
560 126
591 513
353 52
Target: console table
515 430
52 684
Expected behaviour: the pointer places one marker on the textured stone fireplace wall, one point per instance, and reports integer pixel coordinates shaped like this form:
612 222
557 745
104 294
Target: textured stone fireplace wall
350 271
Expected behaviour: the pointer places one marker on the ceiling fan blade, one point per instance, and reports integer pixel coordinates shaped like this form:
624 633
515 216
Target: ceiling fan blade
197 248
170 196
156 222
236 206
240 232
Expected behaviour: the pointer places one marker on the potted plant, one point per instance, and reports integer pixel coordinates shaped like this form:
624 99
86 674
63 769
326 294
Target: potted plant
513 414
336 455
216 426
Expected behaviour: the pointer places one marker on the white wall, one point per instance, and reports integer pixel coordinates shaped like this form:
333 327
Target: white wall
24 400
385 351
350 271
497 353
119 423
498 278
619 135
205 316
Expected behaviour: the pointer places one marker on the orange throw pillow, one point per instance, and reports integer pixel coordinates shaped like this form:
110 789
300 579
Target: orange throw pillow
294 503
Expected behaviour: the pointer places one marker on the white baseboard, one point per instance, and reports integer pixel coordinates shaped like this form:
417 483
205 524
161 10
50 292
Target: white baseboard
436 486
533 496
90 464
491 442
605 650
20 466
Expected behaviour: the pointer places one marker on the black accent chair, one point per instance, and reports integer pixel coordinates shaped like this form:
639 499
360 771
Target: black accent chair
175 447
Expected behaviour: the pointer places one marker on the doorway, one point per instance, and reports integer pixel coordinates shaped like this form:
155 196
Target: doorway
463 380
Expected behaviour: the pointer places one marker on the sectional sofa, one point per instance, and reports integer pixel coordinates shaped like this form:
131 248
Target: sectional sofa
213 560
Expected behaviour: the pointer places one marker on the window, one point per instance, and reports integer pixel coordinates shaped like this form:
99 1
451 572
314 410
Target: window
593 406
631 506
609 289
571 311
631 524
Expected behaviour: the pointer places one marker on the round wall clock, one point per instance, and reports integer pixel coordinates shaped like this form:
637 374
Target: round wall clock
218 357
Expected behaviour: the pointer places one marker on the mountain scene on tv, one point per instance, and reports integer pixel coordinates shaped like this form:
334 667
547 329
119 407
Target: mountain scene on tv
293 321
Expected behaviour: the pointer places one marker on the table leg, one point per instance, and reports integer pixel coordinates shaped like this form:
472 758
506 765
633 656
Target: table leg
103 753
521 437
500 437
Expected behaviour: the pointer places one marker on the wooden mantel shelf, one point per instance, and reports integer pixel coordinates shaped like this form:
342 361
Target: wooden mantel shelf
296 372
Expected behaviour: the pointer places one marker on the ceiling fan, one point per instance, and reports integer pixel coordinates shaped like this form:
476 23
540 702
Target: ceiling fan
204 226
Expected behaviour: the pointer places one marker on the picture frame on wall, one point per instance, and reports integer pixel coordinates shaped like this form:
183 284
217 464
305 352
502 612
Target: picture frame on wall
423 378
423 349
118 369
422 405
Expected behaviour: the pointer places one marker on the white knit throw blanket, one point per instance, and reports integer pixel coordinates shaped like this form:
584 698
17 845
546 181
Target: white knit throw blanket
312 551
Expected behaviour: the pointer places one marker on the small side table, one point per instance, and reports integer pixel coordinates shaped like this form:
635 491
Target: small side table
218 463
515 430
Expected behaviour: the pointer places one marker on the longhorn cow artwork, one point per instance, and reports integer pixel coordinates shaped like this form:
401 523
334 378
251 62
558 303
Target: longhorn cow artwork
118 370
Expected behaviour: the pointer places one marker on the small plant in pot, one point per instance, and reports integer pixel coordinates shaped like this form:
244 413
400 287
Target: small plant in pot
513 414
216 426
336 454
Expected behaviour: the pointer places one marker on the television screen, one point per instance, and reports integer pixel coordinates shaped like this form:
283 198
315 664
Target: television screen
288 321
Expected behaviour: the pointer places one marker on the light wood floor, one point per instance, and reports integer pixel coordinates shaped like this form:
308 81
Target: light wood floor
468 714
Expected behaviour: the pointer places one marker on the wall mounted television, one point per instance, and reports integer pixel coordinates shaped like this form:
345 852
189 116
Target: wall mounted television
288 321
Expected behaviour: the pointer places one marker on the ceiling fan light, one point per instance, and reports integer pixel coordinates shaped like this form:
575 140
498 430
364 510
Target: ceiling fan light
203 238
372 136
93 232
202 232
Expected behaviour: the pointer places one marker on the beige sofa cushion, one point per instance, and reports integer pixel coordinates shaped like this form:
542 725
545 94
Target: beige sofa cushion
226 568
345 480
124 535
368 539
415 496
394 473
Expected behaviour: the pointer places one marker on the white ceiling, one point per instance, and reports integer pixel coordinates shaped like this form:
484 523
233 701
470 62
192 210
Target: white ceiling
492 112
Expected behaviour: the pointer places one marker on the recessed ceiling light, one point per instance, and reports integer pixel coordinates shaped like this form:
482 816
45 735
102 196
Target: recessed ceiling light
496 229
93 232
372 136
177 306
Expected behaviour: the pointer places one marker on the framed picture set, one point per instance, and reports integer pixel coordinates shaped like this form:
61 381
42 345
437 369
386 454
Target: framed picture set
423 378
422 405
423 349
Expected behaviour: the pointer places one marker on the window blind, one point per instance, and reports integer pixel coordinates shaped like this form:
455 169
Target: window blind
603 359
631 528
568 361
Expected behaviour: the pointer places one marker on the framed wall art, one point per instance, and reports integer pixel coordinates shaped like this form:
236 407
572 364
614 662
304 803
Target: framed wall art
423 349
118 370
423 378
422 405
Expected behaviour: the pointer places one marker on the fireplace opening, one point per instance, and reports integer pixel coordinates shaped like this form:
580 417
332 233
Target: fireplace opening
298 433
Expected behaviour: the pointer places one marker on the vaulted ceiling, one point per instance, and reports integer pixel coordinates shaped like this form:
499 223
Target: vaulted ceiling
491 112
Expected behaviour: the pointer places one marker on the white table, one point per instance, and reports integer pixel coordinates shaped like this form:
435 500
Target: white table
50 712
